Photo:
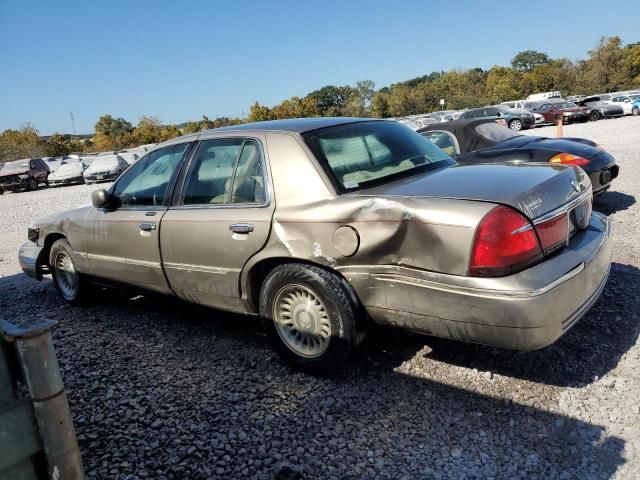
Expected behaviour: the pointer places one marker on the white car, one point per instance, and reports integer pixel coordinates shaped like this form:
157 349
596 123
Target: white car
105 168
129 157
626 102
67 173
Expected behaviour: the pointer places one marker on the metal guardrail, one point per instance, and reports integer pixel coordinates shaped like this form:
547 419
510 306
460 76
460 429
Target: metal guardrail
37 438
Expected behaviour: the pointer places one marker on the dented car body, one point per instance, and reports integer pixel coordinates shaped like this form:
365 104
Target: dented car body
398 232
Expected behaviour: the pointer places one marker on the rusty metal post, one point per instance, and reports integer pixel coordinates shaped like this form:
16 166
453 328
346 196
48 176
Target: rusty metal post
42 375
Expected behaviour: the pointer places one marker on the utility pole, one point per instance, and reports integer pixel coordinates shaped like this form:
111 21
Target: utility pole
73 123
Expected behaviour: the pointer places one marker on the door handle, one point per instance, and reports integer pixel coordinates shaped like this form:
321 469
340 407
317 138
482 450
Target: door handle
147 227
241 228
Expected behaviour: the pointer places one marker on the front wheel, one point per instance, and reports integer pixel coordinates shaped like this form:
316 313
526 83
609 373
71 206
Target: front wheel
32 185
65 275
593 116
311 316
515 125
635 111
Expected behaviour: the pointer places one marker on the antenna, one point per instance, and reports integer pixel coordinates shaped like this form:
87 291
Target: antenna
73 123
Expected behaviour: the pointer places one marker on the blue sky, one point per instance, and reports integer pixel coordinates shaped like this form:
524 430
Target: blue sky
178 60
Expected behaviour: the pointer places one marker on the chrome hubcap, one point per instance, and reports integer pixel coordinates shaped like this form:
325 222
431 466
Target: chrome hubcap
302 321
516 125
66 275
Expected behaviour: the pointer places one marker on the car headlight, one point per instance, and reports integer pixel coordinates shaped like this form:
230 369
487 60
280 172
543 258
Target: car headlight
23 176
567 114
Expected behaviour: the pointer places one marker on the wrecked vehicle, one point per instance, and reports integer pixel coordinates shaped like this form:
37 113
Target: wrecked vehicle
320 225
26 174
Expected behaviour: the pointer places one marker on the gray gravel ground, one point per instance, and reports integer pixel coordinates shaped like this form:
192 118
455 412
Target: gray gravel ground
160 389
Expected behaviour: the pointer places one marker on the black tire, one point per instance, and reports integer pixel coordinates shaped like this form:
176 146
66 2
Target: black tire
32 185
343 311
594 116
516 125
635 111
61 249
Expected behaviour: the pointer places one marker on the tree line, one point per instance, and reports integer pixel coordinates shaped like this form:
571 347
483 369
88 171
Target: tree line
609 66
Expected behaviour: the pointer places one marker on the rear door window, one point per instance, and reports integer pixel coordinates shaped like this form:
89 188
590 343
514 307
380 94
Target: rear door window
225 170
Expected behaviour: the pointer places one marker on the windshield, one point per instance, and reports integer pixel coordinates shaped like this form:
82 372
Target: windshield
68 168
104 162
562 105
495 132
634 97
365 153
16 167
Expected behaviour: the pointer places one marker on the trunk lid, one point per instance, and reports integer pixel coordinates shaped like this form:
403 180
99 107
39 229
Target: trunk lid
533 189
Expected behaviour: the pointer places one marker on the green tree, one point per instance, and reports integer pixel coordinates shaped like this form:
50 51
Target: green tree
380 104
58 145
22 143
359 102
191 127
331 100
606 70
503 83
258 113
527 60
632 64
110 132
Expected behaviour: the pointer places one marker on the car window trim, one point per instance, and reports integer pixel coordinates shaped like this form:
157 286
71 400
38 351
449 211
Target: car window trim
178 198
172 182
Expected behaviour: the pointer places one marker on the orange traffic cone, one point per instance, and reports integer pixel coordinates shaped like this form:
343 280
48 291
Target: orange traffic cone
559 133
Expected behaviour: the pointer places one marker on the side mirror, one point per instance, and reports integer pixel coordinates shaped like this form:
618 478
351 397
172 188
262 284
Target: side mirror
100 198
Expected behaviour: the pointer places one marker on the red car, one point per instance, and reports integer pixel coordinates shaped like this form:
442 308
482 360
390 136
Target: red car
568 111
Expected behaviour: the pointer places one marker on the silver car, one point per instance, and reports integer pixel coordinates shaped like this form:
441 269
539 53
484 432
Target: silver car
323 225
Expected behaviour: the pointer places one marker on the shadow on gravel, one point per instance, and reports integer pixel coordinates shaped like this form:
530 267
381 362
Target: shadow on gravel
588 351
158 389
612 202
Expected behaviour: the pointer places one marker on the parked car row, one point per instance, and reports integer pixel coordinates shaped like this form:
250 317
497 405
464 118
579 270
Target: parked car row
30 173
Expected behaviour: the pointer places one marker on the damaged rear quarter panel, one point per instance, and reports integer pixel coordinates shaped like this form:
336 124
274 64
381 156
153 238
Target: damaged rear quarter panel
420 232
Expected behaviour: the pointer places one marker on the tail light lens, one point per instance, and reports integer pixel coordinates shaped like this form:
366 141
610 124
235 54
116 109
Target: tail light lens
505 242
553 233
569 159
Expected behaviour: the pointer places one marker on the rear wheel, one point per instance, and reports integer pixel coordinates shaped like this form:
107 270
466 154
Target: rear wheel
65 275
595 115
311 317
515 125
635 111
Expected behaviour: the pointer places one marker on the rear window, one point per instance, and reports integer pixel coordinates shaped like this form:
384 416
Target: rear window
358 155
495 132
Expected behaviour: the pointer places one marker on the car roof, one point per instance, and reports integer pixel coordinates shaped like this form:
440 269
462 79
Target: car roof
464 131
293 125
290 125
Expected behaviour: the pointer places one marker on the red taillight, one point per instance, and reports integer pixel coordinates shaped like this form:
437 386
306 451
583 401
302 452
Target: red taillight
505 243
553 233
569 159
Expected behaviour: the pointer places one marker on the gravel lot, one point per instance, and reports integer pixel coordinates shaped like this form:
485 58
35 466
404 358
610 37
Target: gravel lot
160 389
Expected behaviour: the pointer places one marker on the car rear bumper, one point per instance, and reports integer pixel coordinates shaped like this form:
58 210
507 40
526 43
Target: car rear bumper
525 311
29 259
